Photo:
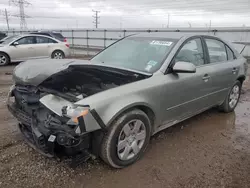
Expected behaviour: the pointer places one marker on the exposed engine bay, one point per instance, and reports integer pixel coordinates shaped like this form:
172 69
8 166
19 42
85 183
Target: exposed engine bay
83 82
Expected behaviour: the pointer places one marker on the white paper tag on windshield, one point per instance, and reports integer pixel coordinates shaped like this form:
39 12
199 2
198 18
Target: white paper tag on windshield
163 43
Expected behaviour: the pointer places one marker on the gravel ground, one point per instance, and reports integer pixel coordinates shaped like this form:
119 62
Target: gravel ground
208 150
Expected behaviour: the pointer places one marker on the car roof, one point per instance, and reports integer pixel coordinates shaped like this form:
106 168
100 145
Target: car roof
44 31
25 35
168 35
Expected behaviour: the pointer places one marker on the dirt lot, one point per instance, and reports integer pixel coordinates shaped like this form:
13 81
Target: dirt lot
209 150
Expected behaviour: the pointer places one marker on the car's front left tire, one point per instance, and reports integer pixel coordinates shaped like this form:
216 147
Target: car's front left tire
126 139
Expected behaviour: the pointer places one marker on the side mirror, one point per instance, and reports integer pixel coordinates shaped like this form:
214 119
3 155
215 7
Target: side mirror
15 43
184 67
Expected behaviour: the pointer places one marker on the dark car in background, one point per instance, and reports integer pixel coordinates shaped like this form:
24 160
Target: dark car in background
2 35
52 34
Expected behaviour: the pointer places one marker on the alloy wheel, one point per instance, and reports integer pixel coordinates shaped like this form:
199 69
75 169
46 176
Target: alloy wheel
58 55
131 139
234 96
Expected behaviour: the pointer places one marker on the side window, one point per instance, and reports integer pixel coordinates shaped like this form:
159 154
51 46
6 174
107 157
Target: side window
27 40
230 54
42 40
52 41
191 52
216 51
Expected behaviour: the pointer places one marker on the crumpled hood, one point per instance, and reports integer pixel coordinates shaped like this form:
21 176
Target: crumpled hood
34 72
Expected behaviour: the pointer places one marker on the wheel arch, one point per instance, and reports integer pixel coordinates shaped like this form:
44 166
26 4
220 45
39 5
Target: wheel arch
241 78
141 106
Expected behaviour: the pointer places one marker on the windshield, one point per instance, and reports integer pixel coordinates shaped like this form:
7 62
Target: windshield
8 40
137 53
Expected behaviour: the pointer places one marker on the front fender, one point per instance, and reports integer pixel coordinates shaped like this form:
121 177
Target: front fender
111 111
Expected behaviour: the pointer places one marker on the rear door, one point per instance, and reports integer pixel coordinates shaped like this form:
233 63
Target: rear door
43 46
223 65
24 49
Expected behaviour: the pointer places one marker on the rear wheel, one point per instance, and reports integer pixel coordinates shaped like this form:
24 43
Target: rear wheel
232 98
126 139
4 59
58 54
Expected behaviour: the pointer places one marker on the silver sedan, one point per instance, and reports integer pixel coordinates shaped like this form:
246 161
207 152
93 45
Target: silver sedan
111 105
23 47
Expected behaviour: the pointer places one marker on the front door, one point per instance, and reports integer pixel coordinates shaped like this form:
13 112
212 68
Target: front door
187 93
24 48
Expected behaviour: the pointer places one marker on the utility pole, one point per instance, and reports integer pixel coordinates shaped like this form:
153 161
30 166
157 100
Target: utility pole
6 15
21 4
210 24
7 18
168 20
120 22
96 17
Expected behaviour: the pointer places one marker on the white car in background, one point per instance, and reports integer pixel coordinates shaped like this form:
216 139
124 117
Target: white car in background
29 46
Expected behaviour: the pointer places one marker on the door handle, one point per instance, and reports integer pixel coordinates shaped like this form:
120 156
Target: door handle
206 77
234 70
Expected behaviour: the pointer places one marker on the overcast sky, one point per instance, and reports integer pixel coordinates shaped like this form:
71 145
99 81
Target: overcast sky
48 14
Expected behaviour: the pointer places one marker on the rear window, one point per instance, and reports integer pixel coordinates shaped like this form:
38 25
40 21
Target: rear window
217 51
58 36
41 40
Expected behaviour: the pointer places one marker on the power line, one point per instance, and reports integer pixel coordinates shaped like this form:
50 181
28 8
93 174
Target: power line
6 14
137 16
240 10
176 4
21 4
209 5
96 17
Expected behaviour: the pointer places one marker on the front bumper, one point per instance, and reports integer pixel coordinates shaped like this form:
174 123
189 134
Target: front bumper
47 141
25 127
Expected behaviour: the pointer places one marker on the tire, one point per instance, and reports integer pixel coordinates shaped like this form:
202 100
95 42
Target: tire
58 54
228 105
4 59
109 148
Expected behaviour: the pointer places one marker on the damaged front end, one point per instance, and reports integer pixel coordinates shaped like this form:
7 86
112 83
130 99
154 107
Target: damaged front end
51 124
45 105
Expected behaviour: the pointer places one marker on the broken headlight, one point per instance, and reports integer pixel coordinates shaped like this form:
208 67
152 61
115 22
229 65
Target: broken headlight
75 113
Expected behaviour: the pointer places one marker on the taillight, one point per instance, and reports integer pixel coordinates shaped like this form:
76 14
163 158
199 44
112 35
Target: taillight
67 45
64 40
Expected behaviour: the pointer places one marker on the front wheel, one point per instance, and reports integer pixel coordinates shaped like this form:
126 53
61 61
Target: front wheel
127 139
58 54
232 98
